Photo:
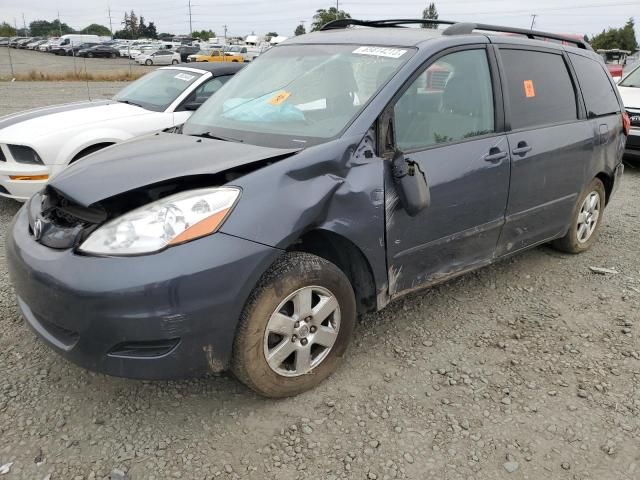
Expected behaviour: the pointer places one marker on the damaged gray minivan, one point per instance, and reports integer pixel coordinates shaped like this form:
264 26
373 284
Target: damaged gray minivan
339 171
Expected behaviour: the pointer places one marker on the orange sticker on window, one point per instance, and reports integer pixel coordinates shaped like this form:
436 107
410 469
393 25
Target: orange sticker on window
279 97
529 91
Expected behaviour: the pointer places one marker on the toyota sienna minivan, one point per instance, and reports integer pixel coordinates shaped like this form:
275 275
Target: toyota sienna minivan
339 171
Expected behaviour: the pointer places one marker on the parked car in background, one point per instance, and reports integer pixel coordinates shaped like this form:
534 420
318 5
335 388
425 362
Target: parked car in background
13 41
46 46
616 60
22 44
322 182
160 57
186 50
104 51
142 49
35 44
248 53
38 144
4 41
629 88
215 55
73 50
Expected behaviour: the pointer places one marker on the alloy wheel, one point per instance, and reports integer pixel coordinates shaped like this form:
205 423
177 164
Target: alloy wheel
301 331
588 217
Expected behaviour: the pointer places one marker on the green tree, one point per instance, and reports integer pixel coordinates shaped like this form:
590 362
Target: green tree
300 30
623 38
95 29
430 13
326 15
203 34
44 28
7 30
150 31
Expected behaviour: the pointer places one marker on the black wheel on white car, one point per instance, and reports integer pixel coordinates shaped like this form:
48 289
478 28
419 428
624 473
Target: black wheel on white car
295 327
148 62
586 220
90 55
174 62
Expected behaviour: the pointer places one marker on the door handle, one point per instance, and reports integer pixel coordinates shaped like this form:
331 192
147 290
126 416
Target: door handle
521 149
495 155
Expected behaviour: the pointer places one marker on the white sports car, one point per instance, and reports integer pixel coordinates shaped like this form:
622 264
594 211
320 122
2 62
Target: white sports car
35 145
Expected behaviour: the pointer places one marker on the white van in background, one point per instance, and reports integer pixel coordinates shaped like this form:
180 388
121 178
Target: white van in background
73 39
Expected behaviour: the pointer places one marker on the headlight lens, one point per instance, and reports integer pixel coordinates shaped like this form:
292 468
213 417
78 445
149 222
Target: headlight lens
23 154
172 220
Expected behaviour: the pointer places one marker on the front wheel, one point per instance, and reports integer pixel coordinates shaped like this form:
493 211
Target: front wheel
295 327
112 55
90 55
148 62
586 220
174 62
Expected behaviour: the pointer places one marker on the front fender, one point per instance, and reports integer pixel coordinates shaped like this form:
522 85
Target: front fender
82 140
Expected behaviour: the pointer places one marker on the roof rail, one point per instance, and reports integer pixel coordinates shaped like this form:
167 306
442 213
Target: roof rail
455 28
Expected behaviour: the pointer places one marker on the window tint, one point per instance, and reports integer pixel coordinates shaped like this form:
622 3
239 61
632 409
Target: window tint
539 88
211 87
597 90
451 100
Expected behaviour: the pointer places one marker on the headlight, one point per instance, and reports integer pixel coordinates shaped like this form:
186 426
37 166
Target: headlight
23 154
172 220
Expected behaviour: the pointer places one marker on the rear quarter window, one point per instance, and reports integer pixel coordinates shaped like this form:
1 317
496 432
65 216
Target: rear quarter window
539 88
596 87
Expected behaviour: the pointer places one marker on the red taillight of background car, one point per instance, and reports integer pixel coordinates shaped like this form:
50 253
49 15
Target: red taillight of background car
626 123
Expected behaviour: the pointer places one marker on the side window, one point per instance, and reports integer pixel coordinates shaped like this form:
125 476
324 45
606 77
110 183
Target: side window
597 90
539 87
210 87
450 101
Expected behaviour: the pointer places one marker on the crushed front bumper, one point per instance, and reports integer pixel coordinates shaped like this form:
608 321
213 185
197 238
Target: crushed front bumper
166 315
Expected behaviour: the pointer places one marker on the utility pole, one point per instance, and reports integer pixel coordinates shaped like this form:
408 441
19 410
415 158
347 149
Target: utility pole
24 24
225 33
59 24
337 8
533 20
190 24
110 24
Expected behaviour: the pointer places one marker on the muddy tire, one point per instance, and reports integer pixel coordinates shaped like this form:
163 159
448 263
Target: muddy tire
295 327
586 220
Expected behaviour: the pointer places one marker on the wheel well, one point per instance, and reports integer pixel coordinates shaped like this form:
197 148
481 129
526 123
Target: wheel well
607 181
347 257
90 149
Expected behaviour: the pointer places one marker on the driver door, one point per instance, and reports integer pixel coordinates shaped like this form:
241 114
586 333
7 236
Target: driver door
450 122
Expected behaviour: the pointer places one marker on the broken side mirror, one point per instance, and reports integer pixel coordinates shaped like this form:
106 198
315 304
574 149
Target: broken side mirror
411 184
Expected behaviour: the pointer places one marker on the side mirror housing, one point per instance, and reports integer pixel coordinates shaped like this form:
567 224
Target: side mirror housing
411 184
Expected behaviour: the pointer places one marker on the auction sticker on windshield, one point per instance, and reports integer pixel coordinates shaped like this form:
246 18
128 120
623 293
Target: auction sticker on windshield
184 76
380 51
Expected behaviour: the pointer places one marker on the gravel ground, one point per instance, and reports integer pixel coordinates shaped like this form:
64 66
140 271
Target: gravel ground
24 61
528 369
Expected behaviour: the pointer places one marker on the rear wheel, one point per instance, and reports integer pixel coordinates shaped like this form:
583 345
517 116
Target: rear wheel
90 55
112 55
586 220
296 326
148 62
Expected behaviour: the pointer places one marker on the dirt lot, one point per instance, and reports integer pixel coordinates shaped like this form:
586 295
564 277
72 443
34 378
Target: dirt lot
529 369
25 61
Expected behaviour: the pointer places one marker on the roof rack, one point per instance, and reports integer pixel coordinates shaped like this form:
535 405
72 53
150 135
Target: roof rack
455 28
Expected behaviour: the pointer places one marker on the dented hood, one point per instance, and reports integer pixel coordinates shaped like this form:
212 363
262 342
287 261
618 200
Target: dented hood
153 159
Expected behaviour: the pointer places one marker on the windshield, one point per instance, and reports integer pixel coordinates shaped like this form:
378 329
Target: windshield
632 80
306 94
158 89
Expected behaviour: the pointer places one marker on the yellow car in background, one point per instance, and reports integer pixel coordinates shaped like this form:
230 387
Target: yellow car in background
214 56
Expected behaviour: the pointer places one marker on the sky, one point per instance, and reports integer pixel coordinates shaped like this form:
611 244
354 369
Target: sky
243 17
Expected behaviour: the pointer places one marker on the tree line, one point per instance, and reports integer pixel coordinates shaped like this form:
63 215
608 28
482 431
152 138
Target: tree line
134 27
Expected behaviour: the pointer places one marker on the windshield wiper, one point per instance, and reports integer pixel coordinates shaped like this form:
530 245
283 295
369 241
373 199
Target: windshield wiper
216 137
129 102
